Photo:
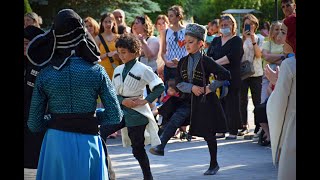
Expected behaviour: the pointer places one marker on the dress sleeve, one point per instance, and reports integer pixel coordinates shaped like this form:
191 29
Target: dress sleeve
278 102
37 120
112 113
236 49
219 71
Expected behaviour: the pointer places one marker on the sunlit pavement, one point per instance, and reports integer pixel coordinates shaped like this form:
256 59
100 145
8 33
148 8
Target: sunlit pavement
238 159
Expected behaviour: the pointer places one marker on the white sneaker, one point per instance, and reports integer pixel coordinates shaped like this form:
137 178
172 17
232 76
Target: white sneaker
256 135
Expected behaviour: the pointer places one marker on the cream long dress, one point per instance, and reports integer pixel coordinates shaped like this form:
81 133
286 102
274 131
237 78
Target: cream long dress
281 112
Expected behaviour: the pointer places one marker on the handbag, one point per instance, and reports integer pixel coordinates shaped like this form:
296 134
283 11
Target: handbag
246 69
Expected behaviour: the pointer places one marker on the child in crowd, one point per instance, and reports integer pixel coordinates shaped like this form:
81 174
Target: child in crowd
130 79
213 30
171 92
170 102
197 96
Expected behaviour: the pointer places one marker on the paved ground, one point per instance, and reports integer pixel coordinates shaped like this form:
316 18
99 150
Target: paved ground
238 159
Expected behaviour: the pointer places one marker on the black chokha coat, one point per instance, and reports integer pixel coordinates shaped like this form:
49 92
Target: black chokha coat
207 115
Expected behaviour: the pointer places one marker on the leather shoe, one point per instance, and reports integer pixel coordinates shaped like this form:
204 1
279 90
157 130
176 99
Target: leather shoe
220 135
156 151
265 143
231 137
212 171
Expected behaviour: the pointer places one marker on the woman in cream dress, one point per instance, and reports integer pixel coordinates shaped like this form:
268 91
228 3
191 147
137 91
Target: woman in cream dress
281 110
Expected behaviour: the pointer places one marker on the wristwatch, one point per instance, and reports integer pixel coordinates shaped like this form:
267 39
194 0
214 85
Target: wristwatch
283 57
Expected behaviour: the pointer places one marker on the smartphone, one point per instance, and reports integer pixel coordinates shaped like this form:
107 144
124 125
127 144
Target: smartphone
247 27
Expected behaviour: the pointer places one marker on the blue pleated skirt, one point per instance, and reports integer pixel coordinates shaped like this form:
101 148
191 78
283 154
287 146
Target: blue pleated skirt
71 156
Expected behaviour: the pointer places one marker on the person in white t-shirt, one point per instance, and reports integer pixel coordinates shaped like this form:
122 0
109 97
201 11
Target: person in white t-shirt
252 52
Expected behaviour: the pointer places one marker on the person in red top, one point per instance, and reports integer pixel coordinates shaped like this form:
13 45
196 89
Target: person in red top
172 91
288 7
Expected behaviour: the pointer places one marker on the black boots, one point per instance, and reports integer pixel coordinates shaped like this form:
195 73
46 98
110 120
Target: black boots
212 145
212 171
157 151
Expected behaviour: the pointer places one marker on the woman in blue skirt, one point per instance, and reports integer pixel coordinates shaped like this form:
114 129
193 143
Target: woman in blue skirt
67 89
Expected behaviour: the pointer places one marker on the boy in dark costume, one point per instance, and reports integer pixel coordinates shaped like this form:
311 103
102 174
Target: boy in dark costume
200 100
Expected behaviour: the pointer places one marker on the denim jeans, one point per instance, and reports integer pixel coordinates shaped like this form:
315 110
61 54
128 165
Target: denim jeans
176 120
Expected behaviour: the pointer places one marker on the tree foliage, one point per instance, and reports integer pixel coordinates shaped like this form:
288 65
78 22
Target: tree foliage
208 10
202 11
139 8
95 8
27 7
164 6
212 9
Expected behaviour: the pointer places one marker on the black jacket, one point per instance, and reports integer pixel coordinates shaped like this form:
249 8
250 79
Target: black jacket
207 115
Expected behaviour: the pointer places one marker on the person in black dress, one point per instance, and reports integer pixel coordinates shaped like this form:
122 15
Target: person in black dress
227 51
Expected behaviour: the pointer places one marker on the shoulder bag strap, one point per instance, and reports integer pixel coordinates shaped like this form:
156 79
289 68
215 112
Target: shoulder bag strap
270 46
106 47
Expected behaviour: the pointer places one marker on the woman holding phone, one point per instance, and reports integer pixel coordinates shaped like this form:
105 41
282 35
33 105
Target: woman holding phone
252 52
247 29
